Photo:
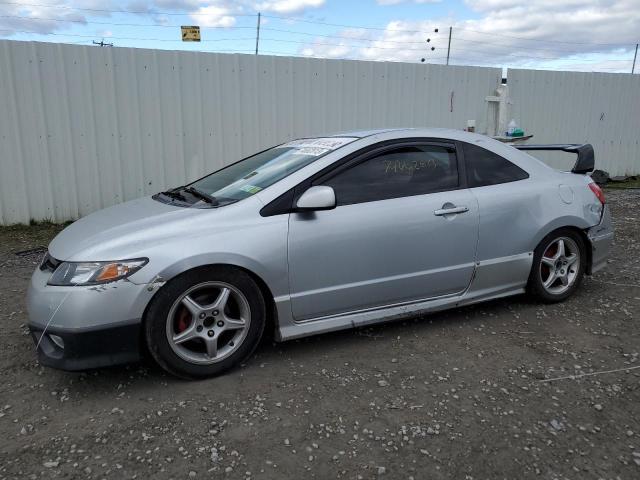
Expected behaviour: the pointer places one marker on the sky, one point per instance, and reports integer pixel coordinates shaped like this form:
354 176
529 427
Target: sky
582 35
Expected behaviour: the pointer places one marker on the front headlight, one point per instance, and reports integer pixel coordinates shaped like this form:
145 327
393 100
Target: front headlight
94 273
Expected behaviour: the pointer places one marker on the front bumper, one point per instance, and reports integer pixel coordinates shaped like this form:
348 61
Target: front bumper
77 328
601 239
74 350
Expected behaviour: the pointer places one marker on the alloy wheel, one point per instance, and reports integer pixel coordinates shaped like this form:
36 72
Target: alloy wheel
560 265
208 322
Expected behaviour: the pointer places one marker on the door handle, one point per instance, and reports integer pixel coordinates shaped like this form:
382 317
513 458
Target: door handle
450 210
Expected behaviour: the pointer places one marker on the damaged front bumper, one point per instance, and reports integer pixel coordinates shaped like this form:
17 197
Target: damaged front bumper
77 328
601 239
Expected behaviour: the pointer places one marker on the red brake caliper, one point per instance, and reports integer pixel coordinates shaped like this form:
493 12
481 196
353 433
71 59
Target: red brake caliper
183 320
551 251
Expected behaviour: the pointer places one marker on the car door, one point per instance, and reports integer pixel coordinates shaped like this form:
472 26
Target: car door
404 229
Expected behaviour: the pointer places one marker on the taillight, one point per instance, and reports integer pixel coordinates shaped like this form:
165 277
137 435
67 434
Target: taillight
597 191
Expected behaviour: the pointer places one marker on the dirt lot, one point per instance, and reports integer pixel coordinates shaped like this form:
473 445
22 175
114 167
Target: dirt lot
464 394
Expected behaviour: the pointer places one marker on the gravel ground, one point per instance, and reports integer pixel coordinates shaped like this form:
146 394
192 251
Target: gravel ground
465 394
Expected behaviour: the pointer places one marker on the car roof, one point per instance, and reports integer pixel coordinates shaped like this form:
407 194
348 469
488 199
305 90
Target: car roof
365 133
411 131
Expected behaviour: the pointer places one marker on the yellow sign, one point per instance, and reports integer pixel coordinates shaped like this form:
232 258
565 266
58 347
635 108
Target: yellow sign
190 34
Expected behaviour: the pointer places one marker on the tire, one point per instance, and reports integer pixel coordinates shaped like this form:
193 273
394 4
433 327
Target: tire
204 322
549 260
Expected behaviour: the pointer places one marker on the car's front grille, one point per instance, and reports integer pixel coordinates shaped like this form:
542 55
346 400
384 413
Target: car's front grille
49 263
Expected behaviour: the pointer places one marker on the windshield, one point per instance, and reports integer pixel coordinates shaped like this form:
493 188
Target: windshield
253 174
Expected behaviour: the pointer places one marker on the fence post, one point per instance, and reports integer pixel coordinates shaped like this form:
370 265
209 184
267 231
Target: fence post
502 102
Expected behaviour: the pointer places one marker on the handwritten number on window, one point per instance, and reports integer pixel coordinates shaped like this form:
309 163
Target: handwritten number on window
408 166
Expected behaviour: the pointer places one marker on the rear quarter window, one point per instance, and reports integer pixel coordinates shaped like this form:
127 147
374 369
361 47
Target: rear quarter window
487 168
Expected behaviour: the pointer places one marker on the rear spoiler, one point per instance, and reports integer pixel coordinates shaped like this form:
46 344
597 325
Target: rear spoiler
586 159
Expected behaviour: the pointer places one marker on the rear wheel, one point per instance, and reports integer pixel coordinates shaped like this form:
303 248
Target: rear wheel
559 263
205 321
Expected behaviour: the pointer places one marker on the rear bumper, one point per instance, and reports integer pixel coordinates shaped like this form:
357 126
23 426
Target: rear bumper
601 239
72 350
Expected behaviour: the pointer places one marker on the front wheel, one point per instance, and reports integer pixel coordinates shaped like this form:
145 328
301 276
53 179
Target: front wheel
205 321
559 263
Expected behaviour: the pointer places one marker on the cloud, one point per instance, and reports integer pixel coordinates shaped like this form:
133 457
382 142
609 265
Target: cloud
179 5
287 6
586 21
396 2
213 16
601 33
46 17
571 34
53 16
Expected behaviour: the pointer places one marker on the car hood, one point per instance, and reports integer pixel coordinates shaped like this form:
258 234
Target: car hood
104 234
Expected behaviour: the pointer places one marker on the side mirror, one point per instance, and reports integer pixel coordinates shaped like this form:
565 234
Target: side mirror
317 198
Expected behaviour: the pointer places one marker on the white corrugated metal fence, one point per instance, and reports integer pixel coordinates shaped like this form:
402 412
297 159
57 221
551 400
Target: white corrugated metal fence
82 128
602 109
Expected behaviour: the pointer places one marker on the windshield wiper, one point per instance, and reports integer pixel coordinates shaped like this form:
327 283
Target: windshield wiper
174 194
203 196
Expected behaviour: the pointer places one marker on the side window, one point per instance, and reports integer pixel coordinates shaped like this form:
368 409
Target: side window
400 172
487 168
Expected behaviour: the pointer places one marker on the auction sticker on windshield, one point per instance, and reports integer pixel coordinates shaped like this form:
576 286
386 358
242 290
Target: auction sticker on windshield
317 146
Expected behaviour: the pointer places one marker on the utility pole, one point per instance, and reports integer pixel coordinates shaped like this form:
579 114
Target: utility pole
633 68
102 43
258 34
449 47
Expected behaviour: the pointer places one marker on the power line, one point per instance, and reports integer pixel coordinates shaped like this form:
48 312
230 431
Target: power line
408 42
511 46
343 37
126 38
133 12
455 39
342 45
311 55
236 39
537 39
271 29
428 33
515 54
509 55
402 61
343 25
477 52
298 19
31 17
314 44
318 56
111 24
93 22
531 57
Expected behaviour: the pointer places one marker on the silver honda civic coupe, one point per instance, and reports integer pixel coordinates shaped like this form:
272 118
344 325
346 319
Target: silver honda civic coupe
312 236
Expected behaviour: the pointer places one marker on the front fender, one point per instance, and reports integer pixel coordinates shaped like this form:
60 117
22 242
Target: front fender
275 275
258 245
